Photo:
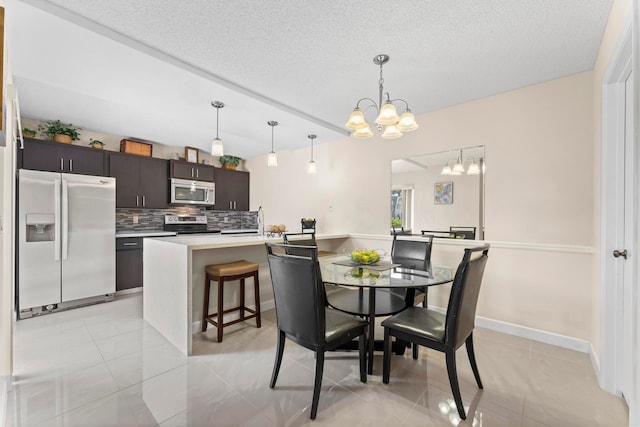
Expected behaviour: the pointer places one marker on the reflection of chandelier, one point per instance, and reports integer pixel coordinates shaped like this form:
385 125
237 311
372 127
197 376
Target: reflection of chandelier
387 115
458 167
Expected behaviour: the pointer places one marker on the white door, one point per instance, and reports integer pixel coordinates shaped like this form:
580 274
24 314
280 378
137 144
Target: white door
627 255
620 230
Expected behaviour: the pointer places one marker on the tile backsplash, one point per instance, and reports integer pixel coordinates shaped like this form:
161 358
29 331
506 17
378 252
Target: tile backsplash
153 219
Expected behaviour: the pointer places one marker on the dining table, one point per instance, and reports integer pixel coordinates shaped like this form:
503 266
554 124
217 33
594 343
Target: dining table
373 287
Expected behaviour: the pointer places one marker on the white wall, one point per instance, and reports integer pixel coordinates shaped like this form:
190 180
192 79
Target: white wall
539 214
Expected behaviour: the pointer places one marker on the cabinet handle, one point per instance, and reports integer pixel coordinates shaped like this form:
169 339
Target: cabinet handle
144 201
137 200
71 165
197 173
191 172
61 164
230 205
129 244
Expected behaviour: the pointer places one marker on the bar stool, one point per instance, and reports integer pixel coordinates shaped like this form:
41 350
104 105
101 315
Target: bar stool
221 273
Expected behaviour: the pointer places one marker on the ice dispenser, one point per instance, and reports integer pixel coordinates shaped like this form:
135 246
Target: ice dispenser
40 227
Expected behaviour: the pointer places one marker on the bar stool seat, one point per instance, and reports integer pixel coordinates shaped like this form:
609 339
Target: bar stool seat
221 273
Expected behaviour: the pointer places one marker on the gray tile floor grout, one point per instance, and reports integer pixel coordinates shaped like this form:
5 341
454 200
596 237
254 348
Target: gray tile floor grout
103 366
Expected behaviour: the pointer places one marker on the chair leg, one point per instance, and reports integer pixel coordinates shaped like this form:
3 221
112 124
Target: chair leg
453 381
242 300
386 358
318 383
415 351
205 306
362 348
256 292
220 306
278 361
472 360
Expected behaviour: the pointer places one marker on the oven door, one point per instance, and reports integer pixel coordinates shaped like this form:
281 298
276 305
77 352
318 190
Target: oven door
192 192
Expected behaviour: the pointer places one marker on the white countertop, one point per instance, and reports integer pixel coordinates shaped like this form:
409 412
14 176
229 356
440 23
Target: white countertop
144 234
212 241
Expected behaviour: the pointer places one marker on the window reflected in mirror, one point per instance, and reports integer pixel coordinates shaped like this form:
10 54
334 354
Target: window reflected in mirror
440 194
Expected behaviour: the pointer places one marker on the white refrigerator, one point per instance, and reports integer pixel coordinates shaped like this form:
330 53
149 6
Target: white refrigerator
66 241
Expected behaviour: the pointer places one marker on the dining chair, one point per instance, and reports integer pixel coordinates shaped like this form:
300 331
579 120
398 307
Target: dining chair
302 313
463 232
303 239
444 332
412 251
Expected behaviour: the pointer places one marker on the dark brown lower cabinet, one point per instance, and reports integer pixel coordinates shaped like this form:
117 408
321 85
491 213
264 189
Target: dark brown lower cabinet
128 263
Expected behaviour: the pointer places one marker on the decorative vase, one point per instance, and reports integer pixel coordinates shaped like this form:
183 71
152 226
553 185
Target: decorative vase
229 166
97 146
64 139
28 134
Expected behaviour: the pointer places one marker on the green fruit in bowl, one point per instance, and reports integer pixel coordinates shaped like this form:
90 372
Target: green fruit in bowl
365 256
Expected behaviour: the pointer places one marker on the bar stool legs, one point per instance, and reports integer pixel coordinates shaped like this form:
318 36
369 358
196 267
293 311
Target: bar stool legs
222 273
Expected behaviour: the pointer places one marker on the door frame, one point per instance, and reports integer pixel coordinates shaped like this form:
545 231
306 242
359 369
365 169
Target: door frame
624 60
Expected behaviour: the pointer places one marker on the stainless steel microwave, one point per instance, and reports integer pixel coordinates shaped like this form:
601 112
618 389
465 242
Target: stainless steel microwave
184 191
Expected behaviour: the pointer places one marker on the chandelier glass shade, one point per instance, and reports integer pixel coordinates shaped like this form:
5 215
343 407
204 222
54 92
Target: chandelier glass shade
272 157
388 119
217 149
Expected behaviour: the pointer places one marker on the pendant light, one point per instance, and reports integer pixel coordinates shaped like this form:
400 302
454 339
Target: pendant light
216 146
272 157
311 169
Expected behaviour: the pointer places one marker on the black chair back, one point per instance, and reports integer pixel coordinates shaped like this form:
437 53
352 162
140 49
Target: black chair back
468 233
298 293
299 239
414 254
463 299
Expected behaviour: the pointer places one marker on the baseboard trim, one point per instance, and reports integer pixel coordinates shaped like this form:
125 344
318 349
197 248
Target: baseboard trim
546 337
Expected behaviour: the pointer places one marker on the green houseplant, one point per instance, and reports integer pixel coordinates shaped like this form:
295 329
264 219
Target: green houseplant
59 131
29 133
96 143
229 162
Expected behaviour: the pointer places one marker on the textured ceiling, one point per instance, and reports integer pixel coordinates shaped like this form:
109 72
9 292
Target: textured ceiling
150 69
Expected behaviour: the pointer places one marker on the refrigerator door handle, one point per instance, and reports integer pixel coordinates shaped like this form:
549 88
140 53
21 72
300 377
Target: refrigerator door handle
56 240
65 219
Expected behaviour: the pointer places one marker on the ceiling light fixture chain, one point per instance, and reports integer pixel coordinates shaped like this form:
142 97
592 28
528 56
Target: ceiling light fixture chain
394 125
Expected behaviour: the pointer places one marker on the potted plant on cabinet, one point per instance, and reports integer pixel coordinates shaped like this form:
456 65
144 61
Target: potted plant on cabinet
229 162
59 132
29 133
96 144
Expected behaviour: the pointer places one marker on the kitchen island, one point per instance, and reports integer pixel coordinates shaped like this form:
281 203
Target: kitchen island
174 278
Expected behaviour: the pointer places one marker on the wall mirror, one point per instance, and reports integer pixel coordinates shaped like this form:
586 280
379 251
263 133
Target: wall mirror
440 194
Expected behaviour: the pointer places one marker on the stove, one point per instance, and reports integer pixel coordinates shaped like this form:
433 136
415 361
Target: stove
187 224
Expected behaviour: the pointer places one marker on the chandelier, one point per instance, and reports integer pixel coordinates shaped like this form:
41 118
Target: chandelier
394 125
458 167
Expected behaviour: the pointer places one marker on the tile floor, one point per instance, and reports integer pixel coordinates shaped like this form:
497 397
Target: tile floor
104 366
